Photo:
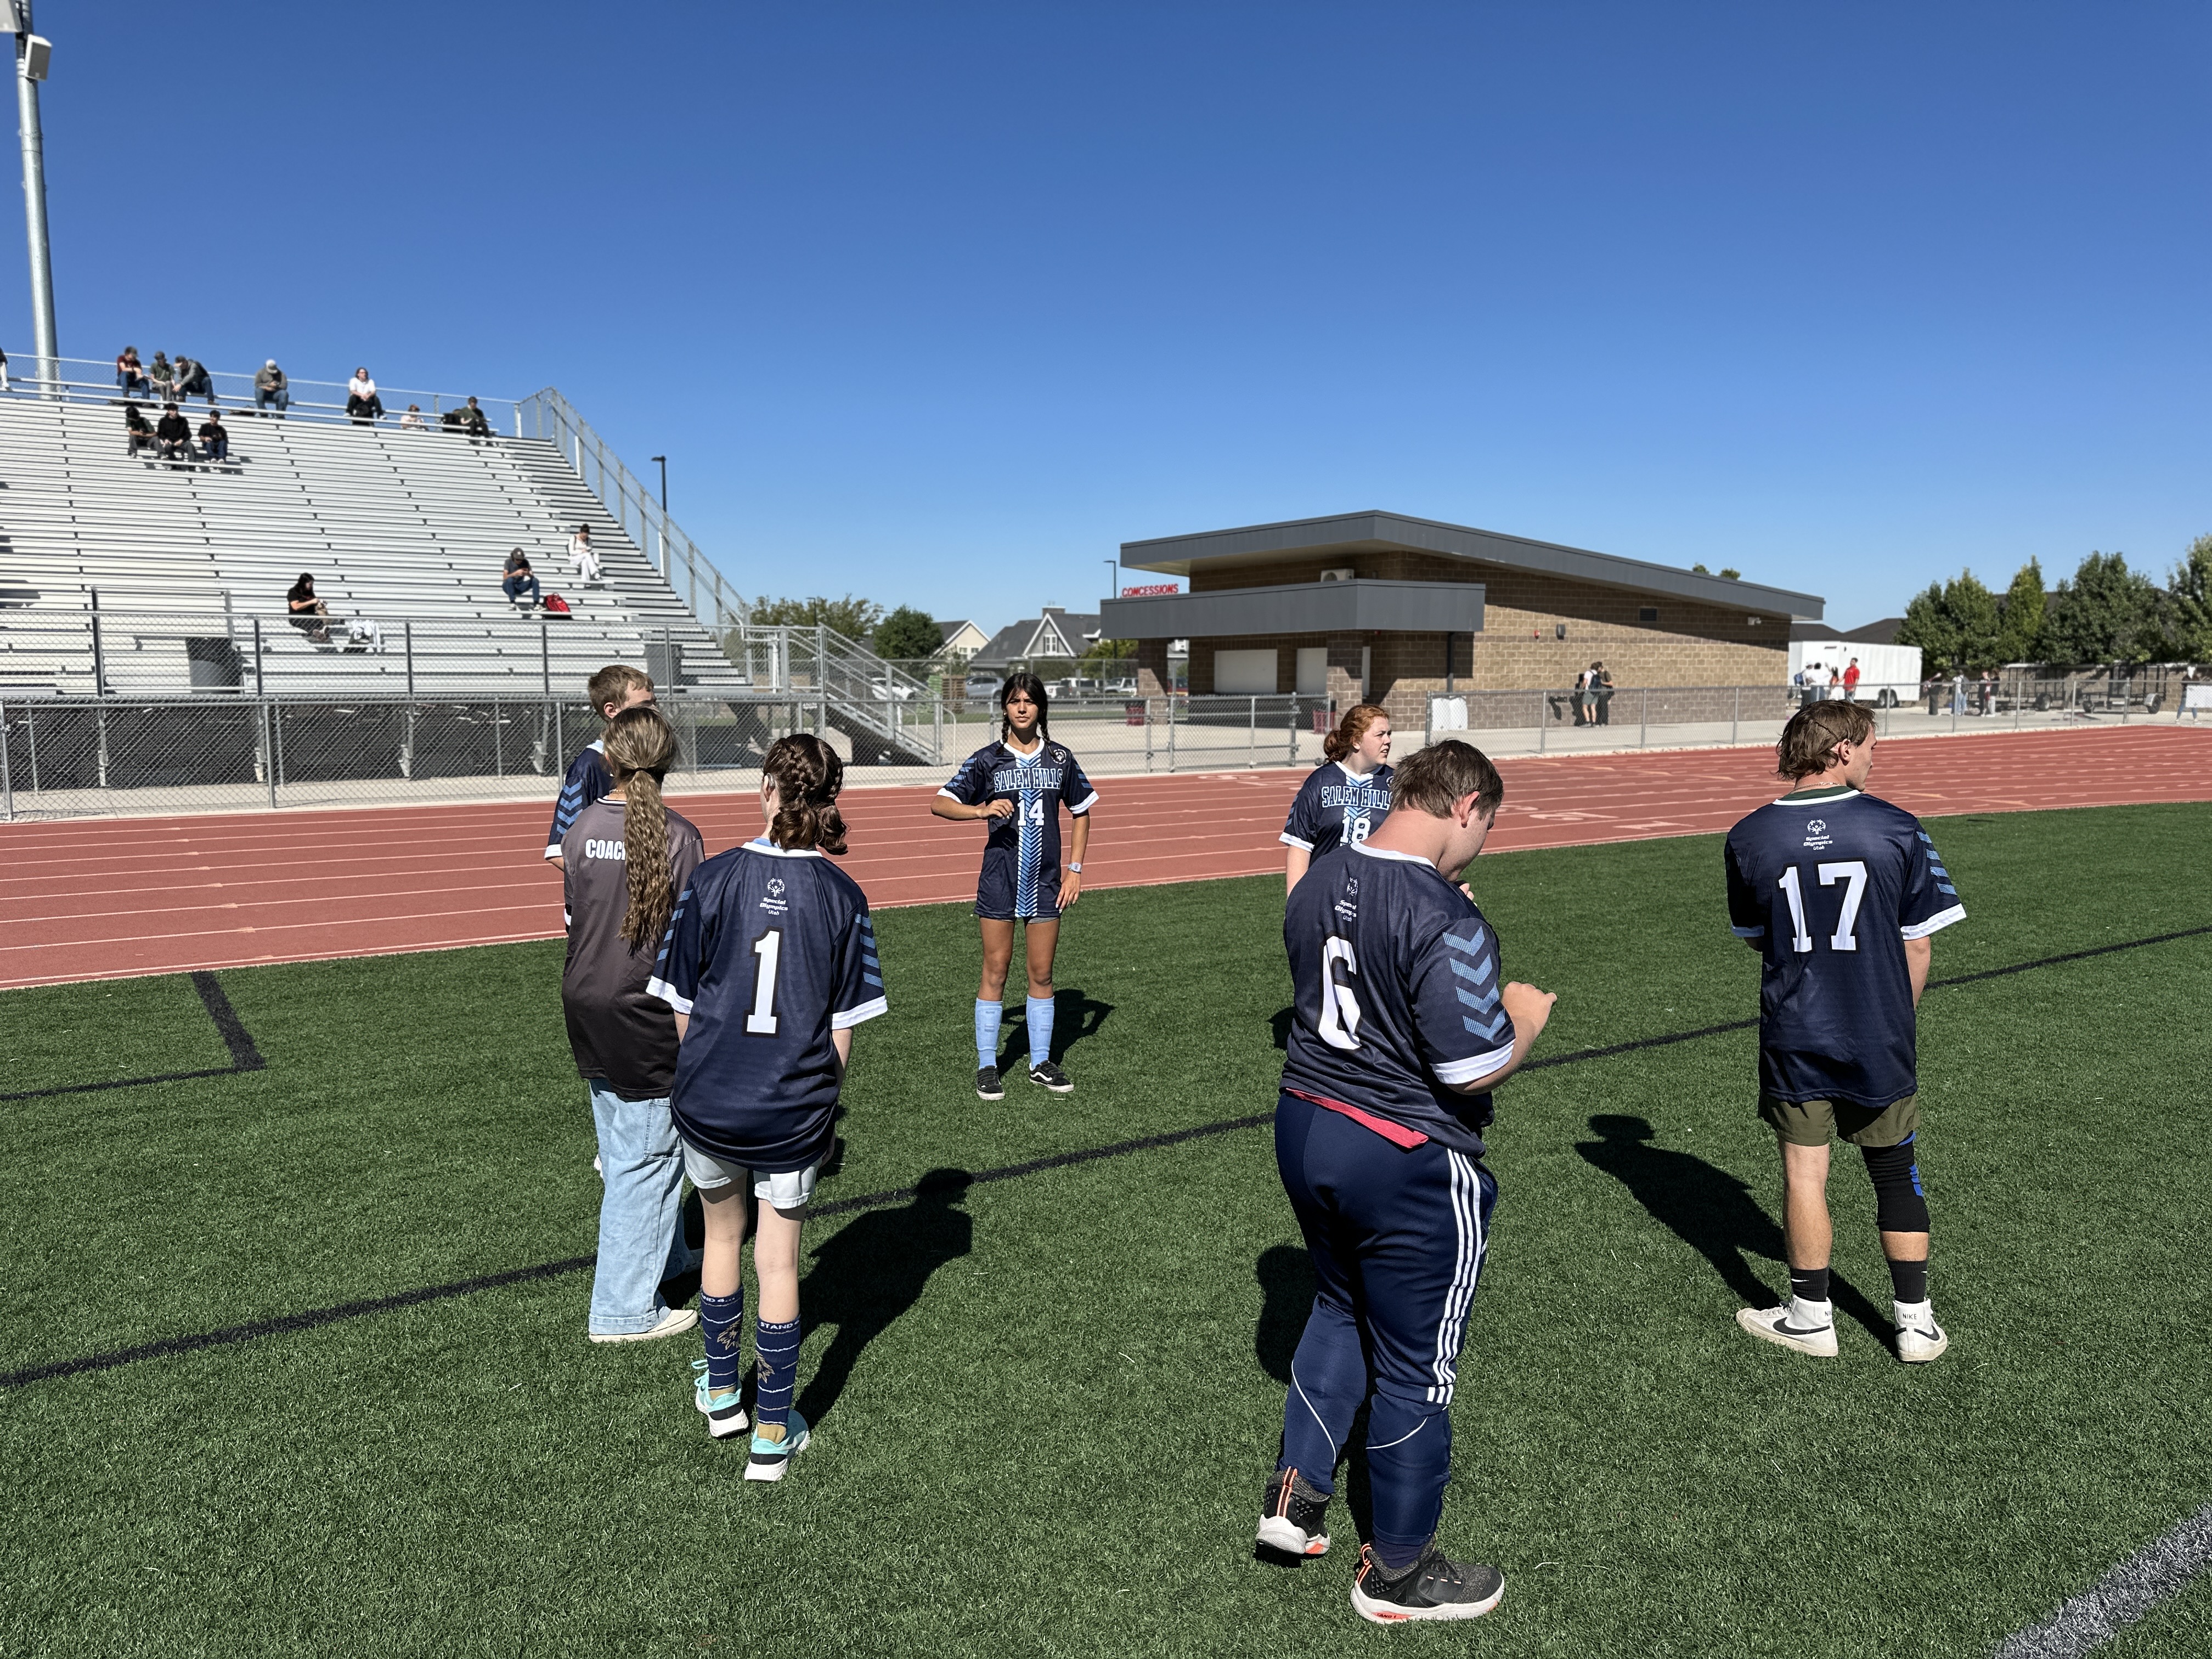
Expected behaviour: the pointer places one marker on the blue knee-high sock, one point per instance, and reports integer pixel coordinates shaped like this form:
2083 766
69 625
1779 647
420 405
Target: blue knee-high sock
1408 1462
722 1322
1329 1379
988 1016
1039 1011
777 1349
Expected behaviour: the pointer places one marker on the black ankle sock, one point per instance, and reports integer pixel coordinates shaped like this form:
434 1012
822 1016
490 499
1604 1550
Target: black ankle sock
1809 1283
1908 1280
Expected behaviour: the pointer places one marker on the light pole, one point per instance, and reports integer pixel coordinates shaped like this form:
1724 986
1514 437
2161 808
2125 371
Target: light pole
1112 575
663 461
32 57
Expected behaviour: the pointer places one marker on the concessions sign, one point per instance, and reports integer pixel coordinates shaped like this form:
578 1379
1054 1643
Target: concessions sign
1151 591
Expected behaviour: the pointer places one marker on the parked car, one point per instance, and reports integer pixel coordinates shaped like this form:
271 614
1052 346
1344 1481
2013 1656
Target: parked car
983 687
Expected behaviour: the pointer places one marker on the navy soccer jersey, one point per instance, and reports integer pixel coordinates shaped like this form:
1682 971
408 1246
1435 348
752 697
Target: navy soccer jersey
587 780
1399 994
1021 858
1830 884
1336 804
769 951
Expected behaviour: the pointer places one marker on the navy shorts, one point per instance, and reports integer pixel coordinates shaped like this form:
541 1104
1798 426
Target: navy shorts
997 890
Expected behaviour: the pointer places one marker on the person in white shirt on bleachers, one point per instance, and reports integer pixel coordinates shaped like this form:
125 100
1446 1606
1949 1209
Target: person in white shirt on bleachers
584 561
361 401
413 420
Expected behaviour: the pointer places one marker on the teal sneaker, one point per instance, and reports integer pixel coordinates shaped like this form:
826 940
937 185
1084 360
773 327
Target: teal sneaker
770 1456
724 1413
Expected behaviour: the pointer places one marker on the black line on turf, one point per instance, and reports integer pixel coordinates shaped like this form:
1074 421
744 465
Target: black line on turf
244 1056
286 1323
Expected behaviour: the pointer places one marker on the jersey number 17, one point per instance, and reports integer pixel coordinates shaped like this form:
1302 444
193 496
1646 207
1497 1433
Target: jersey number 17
1851 871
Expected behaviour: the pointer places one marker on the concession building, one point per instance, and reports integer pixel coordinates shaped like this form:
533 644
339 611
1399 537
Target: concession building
1389 609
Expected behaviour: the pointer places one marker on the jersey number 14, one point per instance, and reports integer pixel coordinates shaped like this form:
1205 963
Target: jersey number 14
1852 870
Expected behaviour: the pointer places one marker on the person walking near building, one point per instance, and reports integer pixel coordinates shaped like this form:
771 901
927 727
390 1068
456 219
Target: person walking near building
624 860
1601 692
1840 894
1852 681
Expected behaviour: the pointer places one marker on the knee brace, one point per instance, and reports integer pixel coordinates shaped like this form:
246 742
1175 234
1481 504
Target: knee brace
1900 1205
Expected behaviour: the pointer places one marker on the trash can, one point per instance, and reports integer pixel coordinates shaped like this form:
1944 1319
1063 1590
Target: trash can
215 664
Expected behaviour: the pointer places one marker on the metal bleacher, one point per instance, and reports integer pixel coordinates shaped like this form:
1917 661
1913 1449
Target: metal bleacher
405 528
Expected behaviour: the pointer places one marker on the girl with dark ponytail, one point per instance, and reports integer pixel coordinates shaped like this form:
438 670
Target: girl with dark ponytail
770 962
1347 795
1017 785
624 858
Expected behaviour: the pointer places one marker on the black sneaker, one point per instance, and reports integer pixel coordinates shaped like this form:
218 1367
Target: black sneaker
1046 1075
1432 1588
1293 1515
988 1086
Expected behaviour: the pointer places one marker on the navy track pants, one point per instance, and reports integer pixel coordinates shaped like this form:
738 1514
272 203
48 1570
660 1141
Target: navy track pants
1397 1235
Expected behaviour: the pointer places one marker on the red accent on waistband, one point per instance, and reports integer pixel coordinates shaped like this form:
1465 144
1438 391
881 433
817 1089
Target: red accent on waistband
1397 1133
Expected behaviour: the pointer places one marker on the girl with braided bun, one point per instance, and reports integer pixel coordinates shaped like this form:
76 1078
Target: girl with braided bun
770 962
624 858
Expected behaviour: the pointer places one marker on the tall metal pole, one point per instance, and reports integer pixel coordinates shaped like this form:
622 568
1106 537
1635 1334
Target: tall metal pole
34 209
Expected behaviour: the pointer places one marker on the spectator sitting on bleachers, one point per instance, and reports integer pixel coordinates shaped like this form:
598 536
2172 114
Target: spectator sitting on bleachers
136 431
3 370
361 401
309 615
163 377
215 438
271 390
584 561
130 373
475 422
518 577
174 434
413 420
192 379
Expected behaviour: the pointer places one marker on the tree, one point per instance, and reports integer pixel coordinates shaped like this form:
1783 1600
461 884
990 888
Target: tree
1701 570
1111 651
2105 612
1729 572
1955 624
906 634
853 618
2191 592
2022 609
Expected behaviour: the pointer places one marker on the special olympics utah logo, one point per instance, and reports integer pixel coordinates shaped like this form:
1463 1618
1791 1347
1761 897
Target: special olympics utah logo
776 885
1816 834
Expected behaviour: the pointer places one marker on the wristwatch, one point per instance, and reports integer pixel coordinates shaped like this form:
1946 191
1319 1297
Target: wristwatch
1075 869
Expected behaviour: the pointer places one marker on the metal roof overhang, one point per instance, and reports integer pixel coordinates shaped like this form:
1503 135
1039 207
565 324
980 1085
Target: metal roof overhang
1380 532
1353 607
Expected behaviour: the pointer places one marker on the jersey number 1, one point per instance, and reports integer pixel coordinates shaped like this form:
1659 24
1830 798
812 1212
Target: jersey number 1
769 947
1853 872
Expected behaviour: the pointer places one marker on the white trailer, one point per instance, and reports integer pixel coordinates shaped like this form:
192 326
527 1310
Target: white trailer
1888 674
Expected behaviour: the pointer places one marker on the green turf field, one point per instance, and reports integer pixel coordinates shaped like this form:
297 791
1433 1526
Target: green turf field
1046 1403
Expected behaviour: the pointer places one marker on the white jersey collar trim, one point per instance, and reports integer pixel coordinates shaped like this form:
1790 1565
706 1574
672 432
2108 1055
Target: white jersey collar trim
762 844
1824 800
1362 846
1357 777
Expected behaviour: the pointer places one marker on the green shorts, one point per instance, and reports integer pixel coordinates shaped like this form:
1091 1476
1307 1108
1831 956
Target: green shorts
1812 1123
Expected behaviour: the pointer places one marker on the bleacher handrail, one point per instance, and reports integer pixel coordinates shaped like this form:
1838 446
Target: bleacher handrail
713 600
97 384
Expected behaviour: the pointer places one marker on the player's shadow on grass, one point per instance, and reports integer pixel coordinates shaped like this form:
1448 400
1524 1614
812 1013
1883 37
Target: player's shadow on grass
1075 1016
869 1273
1708 1209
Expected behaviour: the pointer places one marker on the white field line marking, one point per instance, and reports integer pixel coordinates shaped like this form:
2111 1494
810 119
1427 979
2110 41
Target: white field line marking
2154 1574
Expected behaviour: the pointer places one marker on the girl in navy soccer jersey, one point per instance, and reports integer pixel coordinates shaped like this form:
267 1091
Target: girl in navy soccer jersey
1347 795
769 962
1017 786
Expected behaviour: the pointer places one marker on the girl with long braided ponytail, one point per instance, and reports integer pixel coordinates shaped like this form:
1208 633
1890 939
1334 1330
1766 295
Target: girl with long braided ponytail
623 860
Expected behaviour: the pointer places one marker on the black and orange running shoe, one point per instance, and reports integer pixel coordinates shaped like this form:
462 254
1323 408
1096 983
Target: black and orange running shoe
1432 1588
1294 1517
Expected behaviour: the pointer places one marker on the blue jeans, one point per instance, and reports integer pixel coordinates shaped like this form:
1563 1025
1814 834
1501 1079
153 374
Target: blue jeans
515 586
271 398
640 1213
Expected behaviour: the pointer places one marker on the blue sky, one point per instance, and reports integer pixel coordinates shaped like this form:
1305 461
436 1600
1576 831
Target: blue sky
940 304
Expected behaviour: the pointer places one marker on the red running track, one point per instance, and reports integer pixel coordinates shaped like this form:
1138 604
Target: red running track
103 899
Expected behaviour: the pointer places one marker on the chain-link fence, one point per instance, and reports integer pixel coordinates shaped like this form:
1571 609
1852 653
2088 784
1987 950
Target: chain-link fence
63 756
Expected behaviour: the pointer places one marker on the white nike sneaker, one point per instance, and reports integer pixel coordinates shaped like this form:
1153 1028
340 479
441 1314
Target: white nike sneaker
1808 1326
1919 1338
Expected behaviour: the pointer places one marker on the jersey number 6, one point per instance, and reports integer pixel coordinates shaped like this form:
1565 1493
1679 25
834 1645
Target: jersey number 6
769 947
1852 870
1340 1008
